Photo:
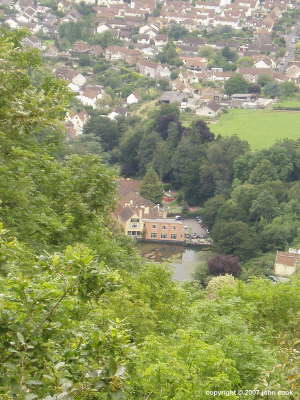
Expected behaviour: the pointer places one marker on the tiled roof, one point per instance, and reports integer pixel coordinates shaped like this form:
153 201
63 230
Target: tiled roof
288 259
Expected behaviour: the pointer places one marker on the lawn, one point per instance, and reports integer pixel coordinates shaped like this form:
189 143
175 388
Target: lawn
259 127
292 103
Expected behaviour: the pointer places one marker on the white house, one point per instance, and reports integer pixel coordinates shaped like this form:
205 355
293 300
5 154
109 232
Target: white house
102 28
133 98
76 121
211 109
90 95
76 79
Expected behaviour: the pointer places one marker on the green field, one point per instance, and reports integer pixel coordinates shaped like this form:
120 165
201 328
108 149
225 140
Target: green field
260 128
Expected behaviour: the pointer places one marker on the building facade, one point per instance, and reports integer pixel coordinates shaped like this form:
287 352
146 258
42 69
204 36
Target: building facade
163 229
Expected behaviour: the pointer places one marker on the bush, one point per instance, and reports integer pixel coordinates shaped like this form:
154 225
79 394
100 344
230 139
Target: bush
224 264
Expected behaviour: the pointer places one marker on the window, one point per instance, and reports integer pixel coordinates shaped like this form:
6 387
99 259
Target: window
164 227
173 236
153 226
163 236
134 220
174 227
153 235
134 225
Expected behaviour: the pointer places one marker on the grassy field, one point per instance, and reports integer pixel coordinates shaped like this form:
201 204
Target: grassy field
288 104
260 128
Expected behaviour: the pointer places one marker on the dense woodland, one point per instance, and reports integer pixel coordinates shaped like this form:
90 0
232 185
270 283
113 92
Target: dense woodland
82 315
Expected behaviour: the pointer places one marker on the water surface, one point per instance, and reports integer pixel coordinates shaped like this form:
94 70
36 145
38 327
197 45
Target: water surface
183 261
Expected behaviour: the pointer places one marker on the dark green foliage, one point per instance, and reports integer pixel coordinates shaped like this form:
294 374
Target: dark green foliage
151 186
177 31
106 129
168 55
236 84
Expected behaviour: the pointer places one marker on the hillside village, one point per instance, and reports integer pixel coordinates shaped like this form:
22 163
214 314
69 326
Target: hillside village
186 51
91 313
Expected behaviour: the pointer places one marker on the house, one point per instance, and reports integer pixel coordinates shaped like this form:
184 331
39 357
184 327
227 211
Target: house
117 112
132 209
163 229
173 97
211 109
114 53
293 72
75 122
101 28
151 30
287 263
133 98
76 79
90 95
160 40
264 62
153 70
195 63
211 94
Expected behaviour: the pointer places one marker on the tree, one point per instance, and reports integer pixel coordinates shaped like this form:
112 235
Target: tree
272 89
236 84
264 206
229 54
177 31
264 79
151 186
168 55
104 128
234 238
201 132
288 89
264 171
224 264
245 61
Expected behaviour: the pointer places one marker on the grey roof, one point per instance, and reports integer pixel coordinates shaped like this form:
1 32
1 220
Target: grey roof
173 97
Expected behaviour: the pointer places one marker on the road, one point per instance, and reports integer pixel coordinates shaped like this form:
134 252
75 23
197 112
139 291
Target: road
291 40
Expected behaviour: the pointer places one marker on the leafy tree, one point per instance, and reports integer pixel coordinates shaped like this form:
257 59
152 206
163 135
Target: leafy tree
234 238
272 89
177 31
224 264
151 186
236 84
104 128
74 31
264 79
245 61
168 55
229 54
263 172
211 208
264 206
288 89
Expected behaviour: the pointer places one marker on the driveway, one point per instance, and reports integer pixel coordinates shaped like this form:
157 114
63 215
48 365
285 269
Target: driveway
194 227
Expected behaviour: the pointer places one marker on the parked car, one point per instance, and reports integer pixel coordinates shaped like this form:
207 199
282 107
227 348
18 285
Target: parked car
179 218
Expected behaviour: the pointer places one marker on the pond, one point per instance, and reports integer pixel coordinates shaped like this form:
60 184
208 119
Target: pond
183 261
